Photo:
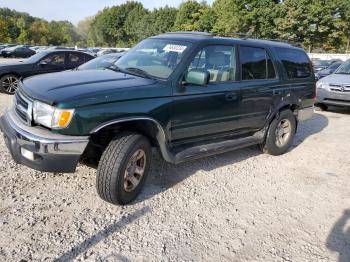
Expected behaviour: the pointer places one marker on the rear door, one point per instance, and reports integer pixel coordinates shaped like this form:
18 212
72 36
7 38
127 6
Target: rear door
205 112
74 59
260 87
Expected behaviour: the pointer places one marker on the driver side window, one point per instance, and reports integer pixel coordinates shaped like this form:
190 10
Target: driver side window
218 60
55 59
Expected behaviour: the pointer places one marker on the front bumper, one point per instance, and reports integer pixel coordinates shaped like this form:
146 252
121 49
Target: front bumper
336 98
40 149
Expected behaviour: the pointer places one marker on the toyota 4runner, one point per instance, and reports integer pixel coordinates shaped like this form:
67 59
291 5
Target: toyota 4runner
188 94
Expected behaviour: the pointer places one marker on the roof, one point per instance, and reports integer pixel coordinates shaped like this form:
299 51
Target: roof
63 51
203 37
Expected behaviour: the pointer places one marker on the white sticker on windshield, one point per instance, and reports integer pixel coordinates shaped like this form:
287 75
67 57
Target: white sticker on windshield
175 48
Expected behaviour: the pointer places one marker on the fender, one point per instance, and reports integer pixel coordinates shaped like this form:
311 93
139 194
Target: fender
160 137
275 113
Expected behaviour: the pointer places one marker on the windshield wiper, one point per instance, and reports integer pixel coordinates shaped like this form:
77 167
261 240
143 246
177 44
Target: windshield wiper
114 68
342 73
139 72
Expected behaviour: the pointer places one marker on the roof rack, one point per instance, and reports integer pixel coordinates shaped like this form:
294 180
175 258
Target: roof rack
191 33
251 36
235 34
243 36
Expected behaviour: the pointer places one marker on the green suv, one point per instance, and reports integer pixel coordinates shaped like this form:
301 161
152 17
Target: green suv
188 94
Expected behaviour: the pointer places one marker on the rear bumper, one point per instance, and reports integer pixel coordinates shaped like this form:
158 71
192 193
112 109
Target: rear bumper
40 149
305 113
333 98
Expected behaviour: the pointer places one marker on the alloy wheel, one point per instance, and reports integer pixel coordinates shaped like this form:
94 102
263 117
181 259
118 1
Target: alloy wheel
283 132
134 170
10 84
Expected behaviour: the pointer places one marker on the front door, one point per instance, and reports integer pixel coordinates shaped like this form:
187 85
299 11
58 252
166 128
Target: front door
204 112
51 63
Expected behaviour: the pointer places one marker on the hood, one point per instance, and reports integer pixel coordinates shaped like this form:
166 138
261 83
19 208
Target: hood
337 79
66 86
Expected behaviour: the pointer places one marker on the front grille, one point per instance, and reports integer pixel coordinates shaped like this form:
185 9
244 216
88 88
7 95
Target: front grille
23 107
339 88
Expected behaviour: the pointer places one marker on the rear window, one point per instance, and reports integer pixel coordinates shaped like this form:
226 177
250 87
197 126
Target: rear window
296 62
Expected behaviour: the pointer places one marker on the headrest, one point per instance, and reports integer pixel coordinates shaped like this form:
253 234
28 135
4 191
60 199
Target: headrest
217 59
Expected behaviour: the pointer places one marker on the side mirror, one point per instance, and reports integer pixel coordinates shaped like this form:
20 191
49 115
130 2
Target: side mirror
197 77
43 63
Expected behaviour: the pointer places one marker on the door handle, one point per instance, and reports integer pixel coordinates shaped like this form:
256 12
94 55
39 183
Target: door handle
231 97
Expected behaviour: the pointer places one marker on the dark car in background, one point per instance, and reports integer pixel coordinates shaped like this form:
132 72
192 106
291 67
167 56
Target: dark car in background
323 64
329 70
18 51
3 46
101 62
40 63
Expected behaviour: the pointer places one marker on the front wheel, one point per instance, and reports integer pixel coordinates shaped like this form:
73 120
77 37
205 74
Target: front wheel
123 168
9 84
323 107
281 134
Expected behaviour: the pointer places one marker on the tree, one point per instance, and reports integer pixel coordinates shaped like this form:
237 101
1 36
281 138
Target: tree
5 36
229 16
187 16
83 28
313 23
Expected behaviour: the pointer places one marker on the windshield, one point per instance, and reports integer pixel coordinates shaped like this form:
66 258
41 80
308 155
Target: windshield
334 66
322 63
344 68
35 58
101 62
155 57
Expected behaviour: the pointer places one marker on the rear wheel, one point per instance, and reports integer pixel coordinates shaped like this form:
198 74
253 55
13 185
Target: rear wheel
9 84
123 168
281 134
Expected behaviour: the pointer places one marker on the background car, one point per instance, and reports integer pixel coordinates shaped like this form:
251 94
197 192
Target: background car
101 61
40 63
334 89
3 46
330 70
107 51
323 64
18 51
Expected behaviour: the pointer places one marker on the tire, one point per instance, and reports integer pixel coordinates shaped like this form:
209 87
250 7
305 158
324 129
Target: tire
9 84
323 107
112 183
276 143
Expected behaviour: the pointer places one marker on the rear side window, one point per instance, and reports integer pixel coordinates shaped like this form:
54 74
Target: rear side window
295 62
256 64
75 59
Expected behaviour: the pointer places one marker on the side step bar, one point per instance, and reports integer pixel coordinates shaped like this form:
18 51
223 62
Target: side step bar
215 148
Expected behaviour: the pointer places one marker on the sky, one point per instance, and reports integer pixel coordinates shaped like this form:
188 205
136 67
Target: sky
75 10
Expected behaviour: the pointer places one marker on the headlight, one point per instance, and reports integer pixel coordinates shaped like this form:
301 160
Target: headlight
50 116
321 85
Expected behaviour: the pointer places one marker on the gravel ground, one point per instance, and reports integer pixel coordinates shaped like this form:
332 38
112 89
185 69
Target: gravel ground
238 206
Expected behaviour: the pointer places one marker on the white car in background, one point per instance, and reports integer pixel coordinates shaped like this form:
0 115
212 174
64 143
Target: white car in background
334 89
